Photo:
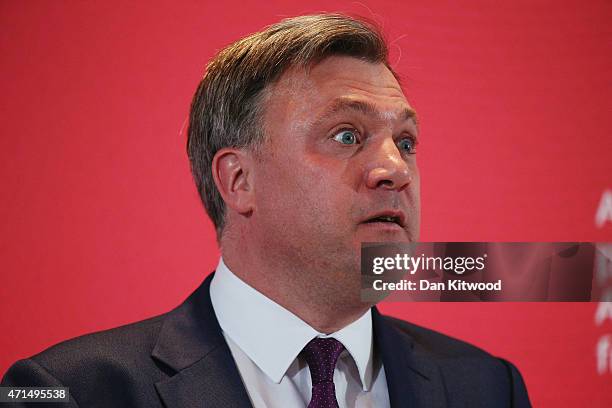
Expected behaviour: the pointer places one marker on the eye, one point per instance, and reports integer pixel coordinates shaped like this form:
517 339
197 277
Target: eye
346 137
407 145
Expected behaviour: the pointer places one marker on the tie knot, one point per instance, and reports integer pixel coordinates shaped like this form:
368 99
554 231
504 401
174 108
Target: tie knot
321 356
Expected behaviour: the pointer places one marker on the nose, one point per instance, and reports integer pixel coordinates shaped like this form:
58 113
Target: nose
387 169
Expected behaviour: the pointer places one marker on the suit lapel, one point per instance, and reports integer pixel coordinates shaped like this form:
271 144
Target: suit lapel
413 380
192 345
211 382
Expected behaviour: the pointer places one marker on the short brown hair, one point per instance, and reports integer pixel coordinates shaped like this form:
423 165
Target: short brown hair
226 108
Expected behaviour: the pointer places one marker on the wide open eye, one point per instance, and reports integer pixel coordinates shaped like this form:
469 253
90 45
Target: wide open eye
407 145
346 137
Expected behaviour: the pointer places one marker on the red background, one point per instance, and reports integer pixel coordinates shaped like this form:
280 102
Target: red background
101 224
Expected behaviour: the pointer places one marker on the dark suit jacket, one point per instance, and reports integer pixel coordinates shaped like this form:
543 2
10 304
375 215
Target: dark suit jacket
180 359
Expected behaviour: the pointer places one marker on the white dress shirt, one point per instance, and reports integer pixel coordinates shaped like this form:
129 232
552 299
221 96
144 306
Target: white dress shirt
265 340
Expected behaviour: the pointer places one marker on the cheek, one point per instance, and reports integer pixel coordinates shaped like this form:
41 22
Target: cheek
305 194
281 188
329 207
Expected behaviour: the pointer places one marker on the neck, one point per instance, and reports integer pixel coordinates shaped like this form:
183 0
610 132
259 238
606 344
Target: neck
324 303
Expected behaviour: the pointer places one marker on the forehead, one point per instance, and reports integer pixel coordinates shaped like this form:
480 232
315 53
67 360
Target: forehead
339 81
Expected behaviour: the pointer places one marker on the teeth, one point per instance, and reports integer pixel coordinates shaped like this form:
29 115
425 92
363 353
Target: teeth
387 219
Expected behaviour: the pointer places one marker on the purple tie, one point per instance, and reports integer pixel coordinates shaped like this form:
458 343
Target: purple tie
321 356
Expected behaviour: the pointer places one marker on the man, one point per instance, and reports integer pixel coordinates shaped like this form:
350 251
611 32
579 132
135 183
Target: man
302 146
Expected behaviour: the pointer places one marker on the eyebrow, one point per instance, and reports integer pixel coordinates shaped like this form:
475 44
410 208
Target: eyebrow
347 104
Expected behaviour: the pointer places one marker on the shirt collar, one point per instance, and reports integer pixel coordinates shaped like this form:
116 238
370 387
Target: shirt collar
271 336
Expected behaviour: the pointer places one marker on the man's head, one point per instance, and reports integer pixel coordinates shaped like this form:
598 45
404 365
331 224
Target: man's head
302 144
228 105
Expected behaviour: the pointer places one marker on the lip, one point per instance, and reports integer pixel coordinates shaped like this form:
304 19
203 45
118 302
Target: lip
382 227
400 215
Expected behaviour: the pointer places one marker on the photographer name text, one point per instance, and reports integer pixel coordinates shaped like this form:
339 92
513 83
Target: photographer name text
449 285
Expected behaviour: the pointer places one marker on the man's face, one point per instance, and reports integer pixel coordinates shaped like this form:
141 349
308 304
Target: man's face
338 166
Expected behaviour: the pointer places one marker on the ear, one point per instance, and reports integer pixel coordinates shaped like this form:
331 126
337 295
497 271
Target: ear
231 172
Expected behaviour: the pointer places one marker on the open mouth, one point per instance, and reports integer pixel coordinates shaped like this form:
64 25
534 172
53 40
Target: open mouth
385 219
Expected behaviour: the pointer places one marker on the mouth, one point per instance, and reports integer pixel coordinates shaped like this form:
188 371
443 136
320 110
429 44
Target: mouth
389 218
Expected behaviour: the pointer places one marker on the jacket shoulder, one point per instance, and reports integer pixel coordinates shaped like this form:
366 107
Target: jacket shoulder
470 373
105 367
129 343
436 343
